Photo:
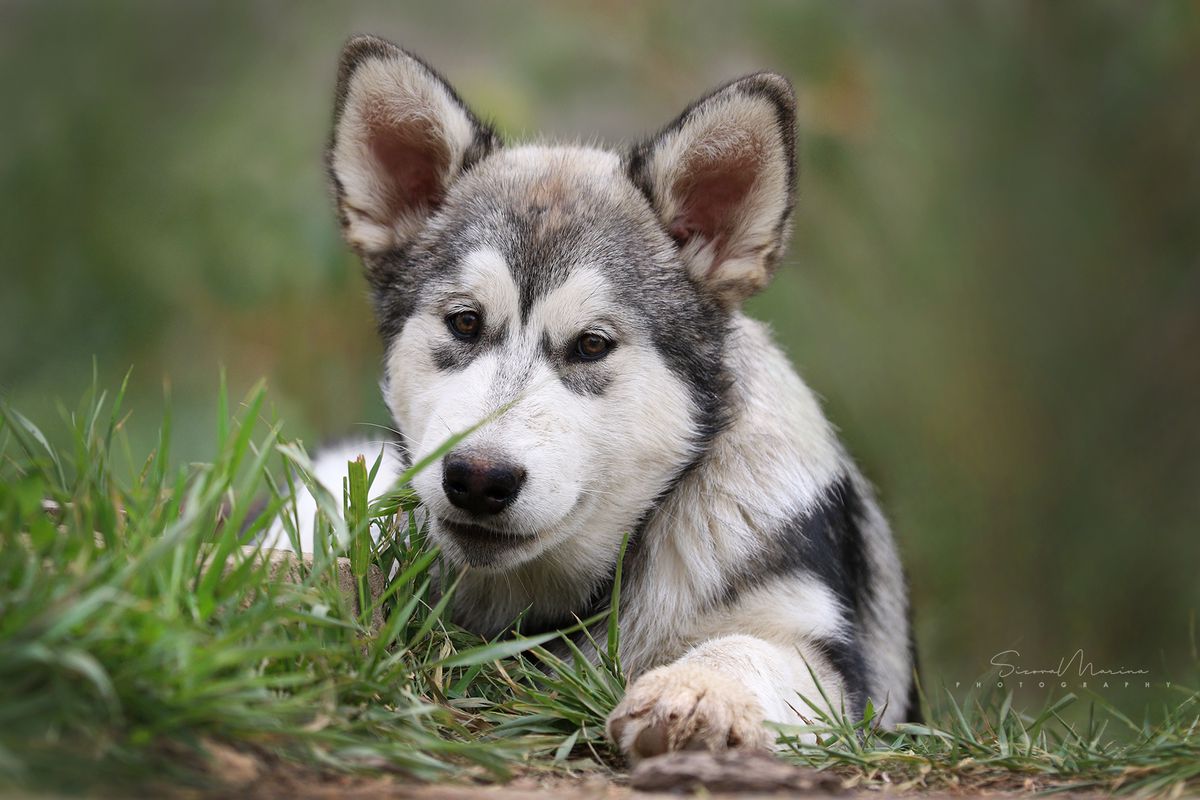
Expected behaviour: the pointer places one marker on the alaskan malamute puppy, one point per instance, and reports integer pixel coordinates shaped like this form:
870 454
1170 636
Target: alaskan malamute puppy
595 296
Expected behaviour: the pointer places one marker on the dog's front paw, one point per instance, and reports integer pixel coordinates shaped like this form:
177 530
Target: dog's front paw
686 707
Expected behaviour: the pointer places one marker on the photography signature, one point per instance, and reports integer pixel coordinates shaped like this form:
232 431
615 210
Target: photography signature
1085 669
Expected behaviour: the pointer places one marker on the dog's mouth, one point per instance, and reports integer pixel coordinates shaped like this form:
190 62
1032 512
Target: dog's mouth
479 536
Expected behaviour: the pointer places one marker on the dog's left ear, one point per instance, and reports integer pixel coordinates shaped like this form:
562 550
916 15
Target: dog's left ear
722 179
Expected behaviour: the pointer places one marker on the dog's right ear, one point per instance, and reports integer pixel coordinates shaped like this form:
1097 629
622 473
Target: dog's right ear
401 136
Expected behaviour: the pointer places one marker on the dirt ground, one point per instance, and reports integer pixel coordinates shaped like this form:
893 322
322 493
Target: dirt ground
576 787
236 773
729 775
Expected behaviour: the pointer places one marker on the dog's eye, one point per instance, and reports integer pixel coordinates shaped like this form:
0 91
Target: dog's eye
592 346
465 324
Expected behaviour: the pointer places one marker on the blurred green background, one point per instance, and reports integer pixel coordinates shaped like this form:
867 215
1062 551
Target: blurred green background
994 282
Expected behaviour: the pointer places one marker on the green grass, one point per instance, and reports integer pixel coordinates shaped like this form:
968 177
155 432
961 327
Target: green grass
135 627
987 744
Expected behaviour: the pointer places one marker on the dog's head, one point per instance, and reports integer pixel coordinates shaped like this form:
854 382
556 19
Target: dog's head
574 300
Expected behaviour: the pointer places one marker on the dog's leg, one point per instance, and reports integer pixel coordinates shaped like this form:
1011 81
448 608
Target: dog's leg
718 695
329 469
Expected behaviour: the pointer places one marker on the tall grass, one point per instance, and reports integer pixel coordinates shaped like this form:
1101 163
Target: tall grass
136 617
139 622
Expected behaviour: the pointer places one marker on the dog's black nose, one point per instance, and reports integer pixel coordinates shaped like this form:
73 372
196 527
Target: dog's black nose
481 485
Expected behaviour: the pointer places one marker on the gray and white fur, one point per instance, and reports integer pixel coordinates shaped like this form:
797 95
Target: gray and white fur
589 300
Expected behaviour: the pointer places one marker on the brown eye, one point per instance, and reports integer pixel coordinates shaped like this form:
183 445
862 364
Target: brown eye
464 324
592 346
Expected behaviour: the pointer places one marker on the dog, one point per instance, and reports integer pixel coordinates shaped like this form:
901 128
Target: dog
587 303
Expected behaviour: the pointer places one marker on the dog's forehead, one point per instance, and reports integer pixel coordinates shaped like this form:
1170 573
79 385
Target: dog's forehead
551 211
551 176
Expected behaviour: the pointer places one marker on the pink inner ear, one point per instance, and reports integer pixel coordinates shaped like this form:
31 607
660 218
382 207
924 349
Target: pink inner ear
414 161
711 195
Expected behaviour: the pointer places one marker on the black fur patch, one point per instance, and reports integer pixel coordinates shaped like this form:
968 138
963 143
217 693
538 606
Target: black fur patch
450 356
456 354
913 712
590 379
846 657
833 546
585 381
825 541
